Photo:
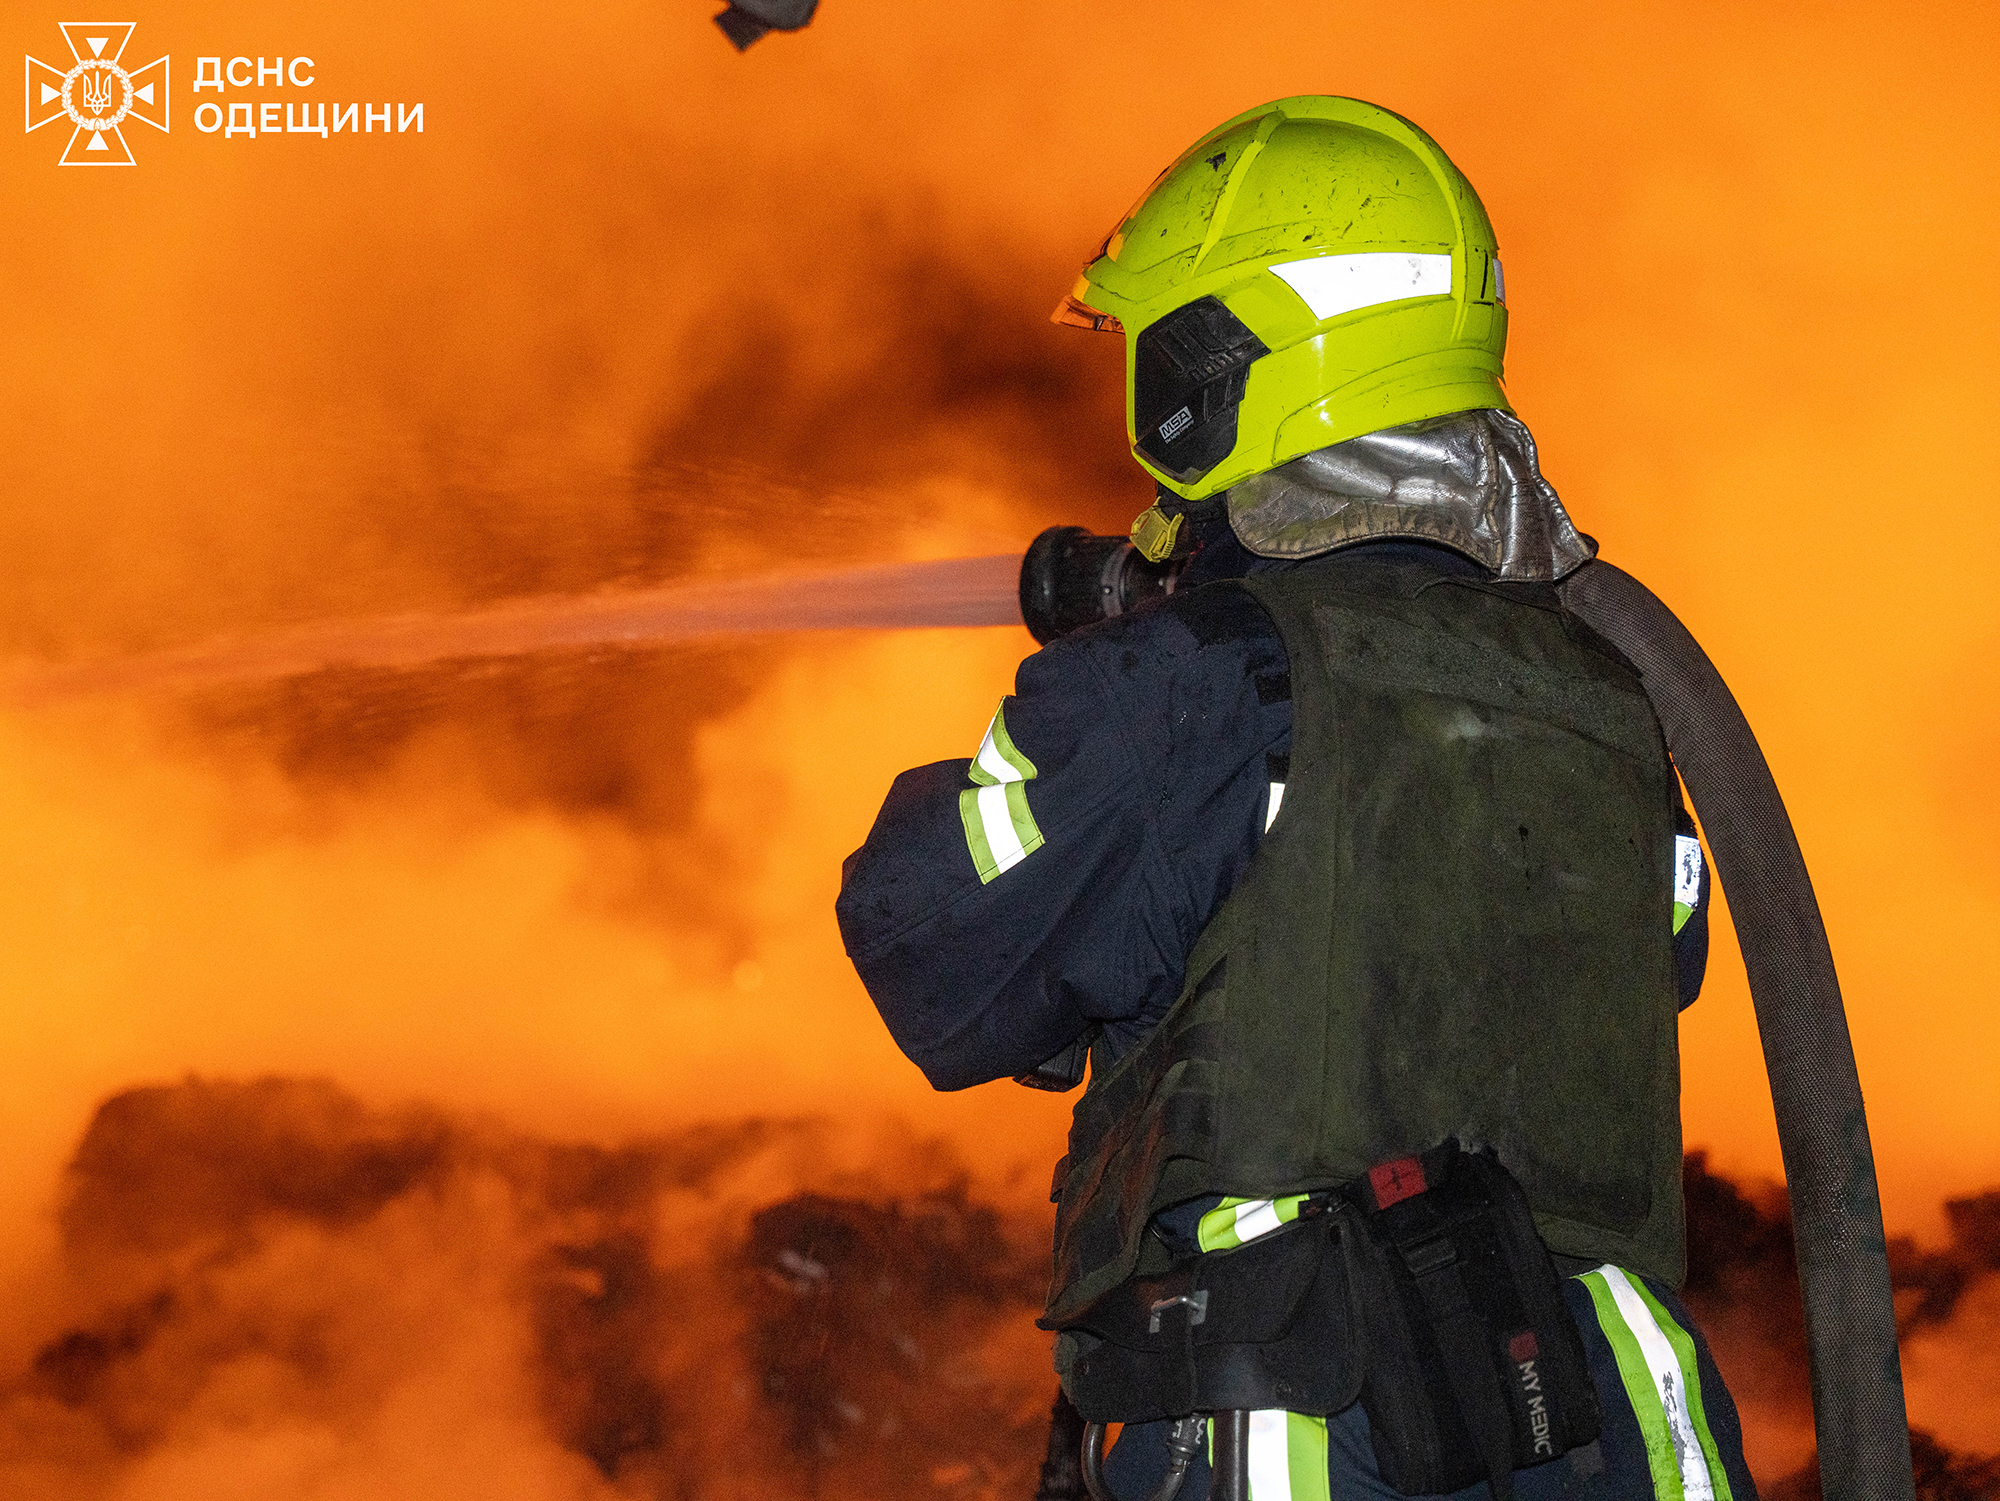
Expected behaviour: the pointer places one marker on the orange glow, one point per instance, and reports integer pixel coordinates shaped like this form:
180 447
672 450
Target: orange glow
635 307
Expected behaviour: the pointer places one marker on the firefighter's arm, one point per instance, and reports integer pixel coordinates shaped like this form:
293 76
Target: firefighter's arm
1005 904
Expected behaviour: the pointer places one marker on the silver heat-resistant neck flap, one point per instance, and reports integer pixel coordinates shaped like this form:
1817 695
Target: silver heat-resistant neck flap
1469 481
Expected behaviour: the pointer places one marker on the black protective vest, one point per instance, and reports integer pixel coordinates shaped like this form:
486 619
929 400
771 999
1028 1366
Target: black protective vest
1459 926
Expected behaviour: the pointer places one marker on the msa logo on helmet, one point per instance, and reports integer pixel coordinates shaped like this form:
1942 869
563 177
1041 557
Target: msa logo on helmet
1189 371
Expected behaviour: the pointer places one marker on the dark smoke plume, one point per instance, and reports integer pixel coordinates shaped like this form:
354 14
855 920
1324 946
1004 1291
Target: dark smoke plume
789 437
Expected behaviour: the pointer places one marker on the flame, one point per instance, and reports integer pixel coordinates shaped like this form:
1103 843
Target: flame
636 310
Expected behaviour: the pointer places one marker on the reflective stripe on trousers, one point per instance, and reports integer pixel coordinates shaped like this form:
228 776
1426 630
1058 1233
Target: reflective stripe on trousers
1641 1354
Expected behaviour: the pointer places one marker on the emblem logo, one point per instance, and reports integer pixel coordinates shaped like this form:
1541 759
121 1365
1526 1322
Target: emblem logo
97 95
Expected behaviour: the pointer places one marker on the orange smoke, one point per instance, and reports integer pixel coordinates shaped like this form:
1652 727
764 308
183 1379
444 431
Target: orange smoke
635 309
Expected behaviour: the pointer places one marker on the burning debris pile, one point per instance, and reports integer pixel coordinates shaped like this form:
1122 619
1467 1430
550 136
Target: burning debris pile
1743 1288
1941 1475
272 1289
866 1322
273 1285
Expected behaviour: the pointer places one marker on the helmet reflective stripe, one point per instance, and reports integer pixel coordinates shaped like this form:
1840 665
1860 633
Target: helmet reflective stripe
1336 284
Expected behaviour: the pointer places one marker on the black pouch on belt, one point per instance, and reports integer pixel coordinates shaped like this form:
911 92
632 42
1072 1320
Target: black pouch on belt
1473 1365
1267 1325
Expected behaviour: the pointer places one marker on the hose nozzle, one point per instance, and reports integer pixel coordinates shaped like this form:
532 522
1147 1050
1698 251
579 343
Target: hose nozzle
1071 578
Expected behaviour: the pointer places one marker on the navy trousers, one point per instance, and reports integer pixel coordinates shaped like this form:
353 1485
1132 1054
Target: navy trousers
1667 1435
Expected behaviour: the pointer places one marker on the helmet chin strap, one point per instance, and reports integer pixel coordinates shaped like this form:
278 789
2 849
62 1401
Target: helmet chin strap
1857 1383
1171 527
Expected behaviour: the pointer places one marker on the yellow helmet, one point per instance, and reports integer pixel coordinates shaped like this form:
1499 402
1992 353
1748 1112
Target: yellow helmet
1309 271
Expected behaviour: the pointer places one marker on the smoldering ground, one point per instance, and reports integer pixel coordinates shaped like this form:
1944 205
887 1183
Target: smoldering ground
271 1289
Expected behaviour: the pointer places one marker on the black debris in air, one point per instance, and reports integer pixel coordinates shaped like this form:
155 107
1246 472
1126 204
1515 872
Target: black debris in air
747 20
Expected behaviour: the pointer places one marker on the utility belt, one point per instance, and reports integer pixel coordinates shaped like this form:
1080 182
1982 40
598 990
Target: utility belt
1421 1289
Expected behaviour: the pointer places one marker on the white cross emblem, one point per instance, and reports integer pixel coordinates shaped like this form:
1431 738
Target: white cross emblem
97 95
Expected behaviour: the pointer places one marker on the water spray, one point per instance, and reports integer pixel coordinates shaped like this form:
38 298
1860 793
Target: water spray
1068 578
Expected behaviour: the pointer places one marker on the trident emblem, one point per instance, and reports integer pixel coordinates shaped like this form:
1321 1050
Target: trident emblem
97 90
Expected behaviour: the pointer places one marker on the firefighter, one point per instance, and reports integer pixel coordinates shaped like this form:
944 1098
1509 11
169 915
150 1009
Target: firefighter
1359 865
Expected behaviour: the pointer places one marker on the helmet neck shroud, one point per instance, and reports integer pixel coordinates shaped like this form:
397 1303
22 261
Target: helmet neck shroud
1471 481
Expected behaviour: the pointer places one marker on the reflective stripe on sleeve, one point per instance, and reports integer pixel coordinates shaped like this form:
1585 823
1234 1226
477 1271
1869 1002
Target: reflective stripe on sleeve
1000 832
1656 1363
1237 1222
1687 877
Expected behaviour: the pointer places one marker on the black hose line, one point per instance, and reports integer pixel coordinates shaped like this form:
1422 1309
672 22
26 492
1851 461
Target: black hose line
1229 1478
1184 1442
1857 1381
